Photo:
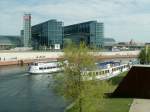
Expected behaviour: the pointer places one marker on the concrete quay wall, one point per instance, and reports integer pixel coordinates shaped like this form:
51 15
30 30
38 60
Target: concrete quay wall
14 56
120 54
7 58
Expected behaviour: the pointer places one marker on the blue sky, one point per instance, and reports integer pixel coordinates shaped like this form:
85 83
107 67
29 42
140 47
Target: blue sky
123 19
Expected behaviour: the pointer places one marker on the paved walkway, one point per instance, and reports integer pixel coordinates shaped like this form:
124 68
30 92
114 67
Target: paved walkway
140 105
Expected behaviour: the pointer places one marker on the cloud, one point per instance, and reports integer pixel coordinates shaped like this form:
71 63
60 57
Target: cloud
123 19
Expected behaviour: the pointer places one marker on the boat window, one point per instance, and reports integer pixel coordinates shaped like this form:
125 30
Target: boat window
96 73
107 71
48 67
40 68
103 72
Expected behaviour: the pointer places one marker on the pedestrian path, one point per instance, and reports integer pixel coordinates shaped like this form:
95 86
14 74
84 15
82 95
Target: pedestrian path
140 105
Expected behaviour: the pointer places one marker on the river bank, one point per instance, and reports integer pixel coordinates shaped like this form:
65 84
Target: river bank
20 58
23 62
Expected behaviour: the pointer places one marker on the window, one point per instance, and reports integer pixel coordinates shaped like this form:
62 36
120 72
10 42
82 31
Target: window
40 68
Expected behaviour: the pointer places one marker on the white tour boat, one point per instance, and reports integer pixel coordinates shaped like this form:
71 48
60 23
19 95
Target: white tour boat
45 67
106 72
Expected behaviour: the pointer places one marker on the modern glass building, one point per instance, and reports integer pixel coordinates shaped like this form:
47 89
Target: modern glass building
91 32
48 34
109 43
26 30
8 42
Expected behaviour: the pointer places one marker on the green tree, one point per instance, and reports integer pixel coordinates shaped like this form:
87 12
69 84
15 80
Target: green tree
78 59
144 55
86 96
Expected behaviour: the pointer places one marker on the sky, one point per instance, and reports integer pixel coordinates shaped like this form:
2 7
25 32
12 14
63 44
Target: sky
123 19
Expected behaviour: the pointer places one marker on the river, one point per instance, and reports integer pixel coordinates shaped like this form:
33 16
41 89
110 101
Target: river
22 92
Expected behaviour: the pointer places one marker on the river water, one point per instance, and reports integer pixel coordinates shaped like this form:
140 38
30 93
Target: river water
22 92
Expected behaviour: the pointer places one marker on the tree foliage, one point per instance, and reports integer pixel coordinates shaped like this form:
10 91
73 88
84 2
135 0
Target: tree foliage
144 55
86 96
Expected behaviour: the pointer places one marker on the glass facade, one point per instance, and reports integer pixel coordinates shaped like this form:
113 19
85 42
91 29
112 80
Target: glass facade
8 42
47 34
109 42
27 30
92 33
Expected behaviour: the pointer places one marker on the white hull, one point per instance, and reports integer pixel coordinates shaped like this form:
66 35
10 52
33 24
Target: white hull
45 71
111 75
105 74
44 67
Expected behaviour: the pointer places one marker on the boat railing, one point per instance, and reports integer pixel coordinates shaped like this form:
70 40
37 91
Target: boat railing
106 72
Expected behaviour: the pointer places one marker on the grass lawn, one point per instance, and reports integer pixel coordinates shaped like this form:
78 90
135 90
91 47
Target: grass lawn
117 104
114 104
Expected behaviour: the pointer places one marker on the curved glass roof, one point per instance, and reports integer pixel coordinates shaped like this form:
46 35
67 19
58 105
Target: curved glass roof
9 40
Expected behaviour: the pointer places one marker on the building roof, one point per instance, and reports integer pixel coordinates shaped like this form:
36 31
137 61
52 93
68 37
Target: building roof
9 40
51 20
87 22
109 40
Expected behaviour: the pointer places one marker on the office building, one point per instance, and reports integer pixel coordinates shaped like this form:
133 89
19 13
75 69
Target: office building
48 35
91 32
109 43
26 32
9 42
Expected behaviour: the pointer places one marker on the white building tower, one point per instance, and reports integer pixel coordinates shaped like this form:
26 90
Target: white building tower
27 30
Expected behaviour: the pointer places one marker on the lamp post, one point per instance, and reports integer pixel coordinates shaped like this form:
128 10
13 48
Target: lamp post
146 53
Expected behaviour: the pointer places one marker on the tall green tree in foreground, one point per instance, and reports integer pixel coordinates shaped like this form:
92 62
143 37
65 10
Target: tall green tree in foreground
86 96
144 55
